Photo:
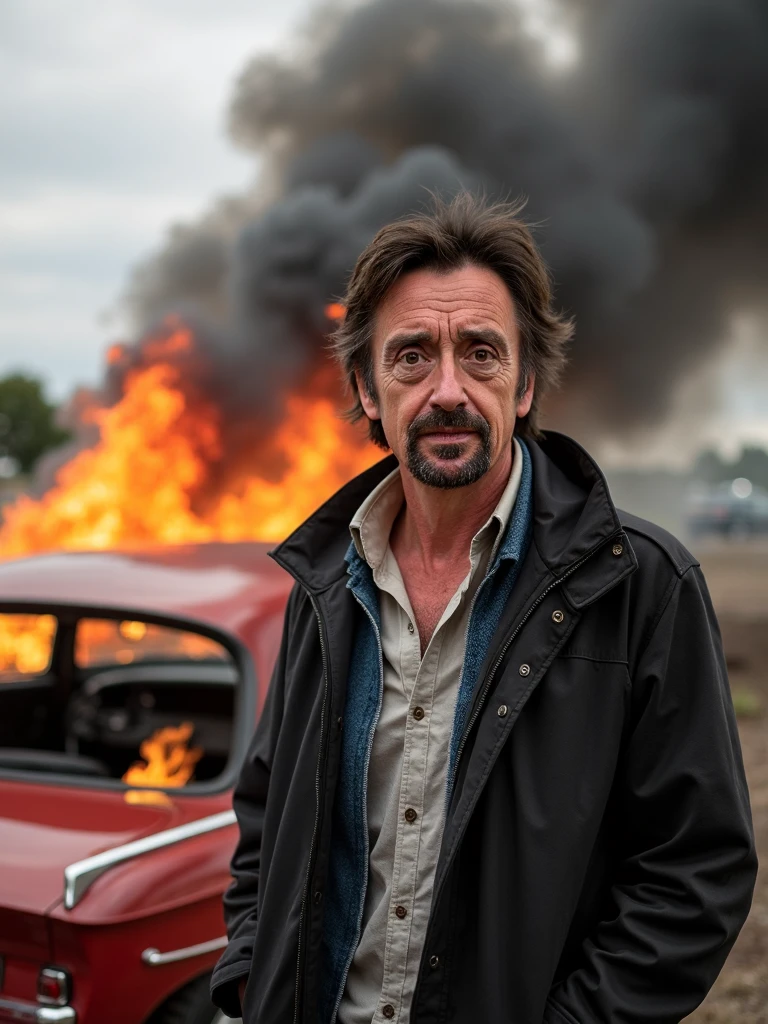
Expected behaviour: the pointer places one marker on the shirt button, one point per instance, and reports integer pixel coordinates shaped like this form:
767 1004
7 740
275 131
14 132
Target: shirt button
410 815
400 912
388 1010
434 962
524 670
410 627
418 714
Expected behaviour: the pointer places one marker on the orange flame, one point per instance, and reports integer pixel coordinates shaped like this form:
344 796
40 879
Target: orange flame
169 759
114 354
335 311
26 642
151 477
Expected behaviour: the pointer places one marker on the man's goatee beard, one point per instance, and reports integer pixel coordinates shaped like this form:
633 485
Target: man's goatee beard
424 469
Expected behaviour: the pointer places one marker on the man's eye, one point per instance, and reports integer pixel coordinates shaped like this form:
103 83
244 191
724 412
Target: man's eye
411 358
483 355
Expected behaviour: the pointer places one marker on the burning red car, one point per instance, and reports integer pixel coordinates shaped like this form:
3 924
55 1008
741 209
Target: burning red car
129 688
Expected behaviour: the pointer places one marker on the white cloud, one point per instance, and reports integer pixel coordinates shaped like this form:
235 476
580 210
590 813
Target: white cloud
67 211
113 127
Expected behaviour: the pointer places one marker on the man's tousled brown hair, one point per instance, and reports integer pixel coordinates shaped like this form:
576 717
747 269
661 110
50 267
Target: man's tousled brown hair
466 231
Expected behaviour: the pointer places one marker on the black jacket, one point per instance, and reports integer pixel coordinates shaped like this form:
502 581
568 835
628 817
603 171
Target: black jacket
598 858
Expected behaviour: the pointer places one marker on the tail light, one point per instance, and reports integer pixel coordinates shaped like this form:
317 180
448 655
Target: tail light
53 987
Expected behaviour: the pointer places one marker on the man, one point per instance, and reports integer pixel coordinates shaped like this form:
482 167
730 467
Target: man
497 778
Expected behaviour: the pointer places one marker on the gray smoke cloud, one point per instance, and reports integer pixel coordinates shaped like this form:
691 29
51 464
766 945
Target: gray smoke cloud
644 166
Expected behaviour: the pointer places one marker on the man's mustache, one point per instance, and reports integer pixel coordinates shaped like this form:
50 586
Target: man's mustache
442 419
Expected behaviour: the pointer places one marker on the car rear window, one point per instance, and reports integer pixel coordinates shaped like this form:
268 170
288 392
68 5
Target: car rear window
26 645
127 642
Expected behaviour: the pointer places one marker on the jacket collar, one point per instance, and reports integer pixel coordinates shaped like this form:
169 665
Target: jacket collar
573 518
314 553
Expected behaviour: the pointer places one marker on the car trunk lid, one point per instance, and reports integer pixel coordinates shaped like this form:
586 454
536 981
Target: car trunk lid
47 827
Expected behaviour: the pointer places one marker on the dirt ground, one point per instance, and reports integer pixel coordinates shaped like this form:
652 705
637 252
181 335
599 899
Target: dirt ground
737 574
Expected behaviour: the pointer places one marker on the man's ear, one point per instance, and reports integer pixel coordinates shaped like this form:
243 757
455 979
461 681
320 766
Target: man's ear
526 400
369 404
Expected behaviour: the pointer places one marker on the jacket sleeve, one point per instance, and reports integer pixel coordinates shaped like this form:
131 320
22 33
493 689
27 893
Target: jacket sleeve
686 863
249 803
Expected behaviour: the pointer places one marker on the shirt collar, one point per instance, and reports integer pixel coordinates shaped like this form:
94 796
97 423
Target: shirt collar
372 524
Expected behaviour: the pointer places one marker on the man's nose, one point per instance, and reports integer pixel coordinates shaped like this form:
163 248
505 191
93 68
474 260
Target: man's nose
448 392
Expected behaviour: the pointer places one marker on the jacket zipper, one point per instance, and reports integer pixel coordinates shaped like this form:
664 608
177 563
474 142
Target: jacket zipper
507 644
449 785
353 950
317 803
487 686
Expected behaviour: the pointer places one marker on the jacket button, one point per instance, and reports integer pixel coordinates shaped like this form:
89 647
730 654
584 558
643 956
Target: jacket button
400 912
557 616
410 815
525 669
418 714
617 549
318 897
434 962
502 712
339 723
388 1010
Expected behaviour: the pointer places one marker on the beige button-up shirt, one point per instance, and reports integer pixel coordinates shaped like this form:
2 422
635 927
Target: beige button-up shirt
408 771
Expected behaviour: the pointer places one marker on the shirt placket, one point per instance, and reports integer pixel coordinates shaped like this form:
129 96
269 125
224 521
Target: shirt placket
411 806
410 818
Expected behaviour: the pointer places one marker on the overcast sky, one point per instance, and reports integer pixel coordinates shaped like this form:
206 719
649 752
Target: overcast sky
111 127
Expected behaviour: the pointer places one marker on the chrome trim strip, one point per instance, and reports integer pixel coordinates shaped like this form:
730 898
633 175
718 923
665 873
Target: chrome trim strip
78 877
155 958
59 1015
10 1009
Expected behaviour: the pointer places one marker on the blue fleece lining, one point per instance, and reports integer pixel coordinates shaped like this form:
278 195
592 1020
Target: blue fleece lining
348 867
490 599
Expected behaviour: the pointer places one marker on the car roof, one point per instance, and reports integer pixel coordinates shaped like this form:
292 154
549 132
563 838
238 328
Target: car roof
225 585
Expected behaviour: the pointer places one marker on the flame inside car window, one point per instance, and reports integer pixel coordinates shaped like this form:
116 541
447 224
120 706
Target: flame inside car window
126 642
26 645
168 760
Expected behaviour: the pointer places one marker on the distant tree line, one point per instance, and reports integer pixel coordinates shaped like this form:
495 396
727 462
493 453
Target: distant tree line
752 463
28 425
28 429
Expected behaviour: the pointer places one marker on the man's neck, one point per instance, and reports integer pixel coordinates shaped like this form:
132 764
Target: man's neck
436 526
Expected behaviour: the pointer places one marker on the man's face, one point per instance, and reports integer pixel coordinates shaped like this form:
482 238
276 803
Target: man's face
447 372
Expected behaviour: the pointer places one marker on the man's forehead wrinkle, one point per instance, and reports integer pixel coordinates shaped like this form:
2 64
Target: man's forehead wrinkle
481 332
453 300
440 304
412 313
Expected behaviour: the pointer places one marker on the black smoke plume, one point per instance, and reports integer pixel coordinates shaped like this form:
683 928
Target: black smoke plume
644 165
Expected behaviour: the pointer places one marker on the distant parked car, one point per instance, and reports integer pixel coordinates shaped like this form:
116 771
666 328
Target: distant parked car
129 688
732 509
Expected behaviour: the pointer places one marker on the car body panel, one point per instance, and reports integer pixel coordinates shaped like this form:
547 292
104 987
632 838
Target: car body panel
159 879
41 836
111 982
167 899
225 584
236 588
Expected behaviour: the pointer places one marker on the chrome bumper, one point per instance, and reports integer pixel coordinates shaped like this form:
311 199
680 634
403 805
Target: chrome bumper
13 1011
